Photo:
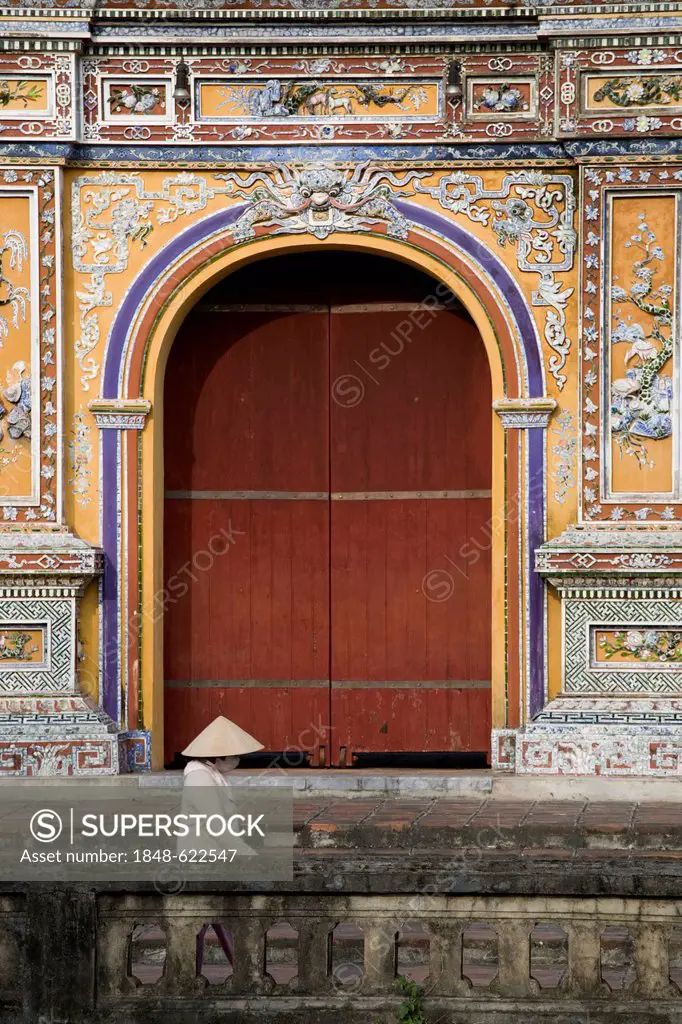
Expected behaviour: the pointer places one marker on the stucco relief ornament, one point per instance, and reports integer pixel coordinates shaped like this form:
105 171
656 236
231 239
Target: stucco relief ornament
534 213
321 199
111 213
13 252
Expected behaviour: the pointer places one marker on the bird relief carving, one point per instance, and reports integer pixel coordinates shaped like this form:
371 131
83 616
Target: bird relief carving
16 420
641 400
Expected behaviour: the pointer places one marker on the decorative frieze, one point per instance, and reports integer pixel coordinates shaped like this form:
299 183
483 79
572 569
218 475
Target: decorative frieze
648 749
266 99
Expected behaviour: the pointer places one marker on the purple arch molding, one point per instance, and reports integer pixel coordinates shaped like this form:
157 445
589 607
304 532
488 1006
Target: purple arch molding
115 354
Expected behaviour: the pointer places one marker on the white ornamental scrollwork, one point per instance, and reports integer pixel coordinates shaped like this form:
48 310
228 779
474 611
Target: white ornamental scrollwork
533 212
111 213
320 199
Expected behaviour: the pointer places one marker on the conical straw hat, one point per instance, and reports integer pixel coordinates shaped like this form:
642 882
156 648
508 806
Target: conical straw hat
222 738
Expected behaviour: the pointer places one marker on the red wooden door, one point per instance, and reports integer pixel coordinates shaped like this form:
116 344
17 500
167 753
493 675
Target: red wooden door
246 631
324 469
410 480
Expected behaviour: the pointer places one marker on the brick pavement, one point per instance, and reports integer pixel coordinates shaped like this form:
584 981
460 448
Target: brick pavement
588 827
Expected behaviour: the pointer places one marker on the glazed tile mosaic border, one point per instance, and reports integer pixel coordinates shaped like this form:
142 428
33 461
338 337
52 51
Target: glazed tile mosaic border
654 751
216 6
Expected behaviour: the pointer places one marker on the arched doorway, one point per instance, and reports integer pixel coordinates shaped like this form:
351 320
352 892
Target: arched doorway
327 440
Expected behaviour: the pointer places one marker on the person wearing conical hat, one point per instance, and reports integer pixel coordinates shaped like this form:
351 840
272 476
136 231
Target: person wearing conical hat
213 754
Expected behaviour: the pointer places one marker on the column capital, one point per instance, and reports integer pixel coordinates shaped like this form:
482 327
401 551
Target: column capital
120 413
522 413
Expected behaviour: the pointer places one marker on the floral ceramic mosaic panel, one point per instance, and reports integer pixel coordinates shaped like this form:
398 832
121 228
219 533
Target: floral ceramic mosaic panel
493 98
641 342
639 648
37 97
506 96
627 92
132 100
26 95
656 91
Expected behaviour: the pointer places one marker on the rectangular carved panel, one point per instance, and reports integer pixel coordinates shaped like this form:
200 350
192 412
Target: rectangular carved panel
37 97
328 99
642 357
630 367
624 91
29 315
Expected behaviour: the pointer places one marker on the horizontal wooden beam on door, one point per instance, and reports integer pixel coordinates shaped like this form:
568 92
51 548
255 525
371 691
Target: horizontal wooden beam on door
336 684
325 495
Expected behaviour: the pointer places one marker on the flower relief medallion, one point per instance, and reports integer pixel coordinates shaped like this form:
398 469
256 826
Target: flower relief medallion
133 100
493 98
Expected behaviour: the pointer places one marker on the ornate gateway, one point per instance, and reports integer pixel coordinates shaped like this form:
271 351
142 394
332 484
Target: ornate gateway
412 482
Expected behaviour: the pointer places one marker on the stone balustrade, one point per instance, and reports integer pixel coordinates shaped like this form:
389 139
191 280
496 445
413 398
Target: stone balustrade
78 955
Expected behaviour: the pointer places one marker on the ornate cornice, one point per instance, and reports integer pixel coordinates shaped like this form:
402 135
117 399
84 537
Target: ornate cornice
57 559
606 557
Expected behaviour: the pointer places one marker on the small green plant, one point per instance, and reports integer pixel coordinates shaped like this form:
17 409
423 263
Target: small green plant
411 1009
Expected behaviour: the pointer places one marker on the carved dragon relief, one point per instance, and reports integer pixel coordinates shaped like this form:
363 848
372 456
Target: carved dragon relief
321 199
532 212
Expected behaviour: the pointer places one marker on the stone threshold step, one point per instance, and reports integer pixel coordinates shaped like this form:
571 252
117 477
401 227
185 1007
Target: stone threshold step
392 783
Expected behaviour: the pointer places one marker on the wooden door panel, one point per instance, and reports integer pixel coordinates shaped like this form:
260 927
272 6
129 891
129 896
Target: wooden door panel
410 576
259 607
424 420
246 402
247 527
401 609
383 720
